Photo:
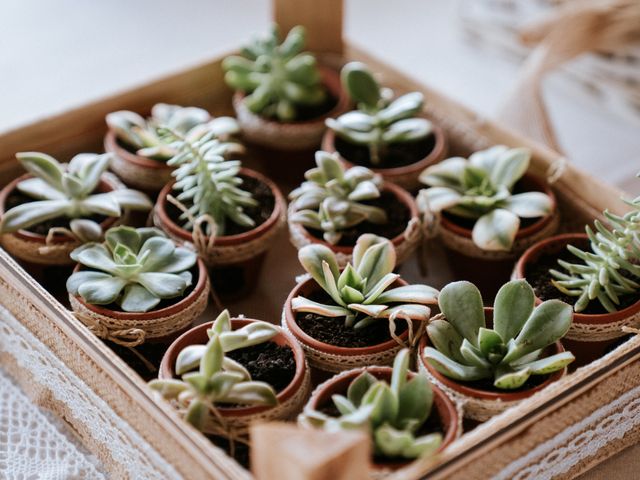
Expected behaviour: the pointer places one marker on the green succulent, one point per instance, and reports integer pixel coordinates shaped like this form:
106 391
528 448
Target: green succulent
278 77
215 378
67 191
135 268
392 413
361 291
379 121
480 189
331 199
510 352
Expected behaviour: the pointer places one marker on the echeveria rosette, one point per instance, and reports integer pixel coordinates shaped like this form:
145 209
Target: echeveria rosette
509 353
67 191
480 189
379 120
134 268
361 293
393 412
278 77
332 197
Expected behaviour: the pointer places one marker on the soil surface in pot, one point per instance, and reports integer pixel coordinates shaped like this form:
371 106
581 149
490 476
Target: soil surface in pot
152 352
261 193
334 332
268 362
396 155
305 113
398 214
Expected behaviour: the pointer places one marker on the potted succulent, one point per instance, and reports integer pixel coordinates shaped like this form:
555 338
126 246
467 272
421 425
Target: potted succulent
335 205
489 209
54 208
405 415
137 286
344 319
390 136
141 152
491 359
282 96
231 214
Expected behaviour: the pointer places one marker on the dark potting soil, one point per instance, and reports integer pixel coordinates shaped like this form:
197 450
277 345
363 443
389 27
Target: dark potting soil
396 155
305 113
268 362
152 352
334 332
397 213
261 193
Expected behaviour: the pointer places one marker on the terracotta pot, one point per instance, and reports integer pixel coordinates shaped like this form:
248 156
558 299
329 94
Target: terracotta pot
405 243
290 399
135 170
405 176
133 328
301 135
25 245
591 335
232 256
490 270
442 405
326 358
483 404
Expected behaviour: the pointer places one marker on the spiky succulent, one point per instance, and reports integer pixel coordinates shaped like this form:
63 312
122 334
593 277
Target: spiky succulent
142 135
480 189
135 268
67 191
278 77
611 269
331 199
393 413
511 351
379 121
208 183
209 378
360 293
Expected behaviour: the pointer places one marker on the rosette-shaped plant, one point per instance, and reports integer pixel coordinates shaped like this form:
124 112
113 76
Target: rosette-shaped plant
278 78
379 121
480 189
209 378
393 413
331 199
510 352
361 293
134 268
67 191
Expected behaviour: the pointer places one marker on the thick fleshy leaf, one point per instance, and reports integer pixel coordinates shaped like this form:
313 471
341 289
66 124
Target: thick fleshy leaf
102 291
136 298
221 383
95 256
359 386
131 199
181 260
344 405
349 277
196 413
103 204
529 204
356 120
489 341
404 106
156 252
212 357
86 230
32 213
39 189
550 364
78 278
366 190
486 159
423 446
330 165
377 261
385 403
447 173
252 393
496 230
163 285
91 170
330 285
508 379
512 307
169 388
377 289
510 167
301 304
473 355
446 339
400 370
407 130
452 369
358 81
392 442
362 245
231 365
408 310
371 310
461 304
126 236
221 324
189 358
42 166
311 258
416 398
436 199
410 294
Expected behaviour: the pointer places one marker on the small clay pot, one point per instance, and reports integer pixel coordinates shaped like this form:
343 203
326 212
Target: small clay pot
135 170
405 176
232 257
155 326
583 339
290 399
483 404
405 243
303 135
490 270
443 406
25 245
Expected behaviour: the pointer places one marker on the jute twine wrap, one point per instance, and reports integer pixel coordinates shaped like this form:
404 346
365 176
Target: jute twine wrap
139 176
29 250
593 332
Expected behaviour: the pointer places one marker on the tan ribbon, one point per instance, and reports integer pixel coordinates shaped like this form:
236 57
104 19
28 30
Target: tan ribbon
127 337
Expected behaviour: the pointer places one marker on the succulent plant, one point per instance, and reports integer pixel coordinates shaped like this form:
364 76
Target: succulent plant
480 189
218 378
278 77
360 293
510 352
379 121
331 199
135 268
611 269
142 135
67 191
393 413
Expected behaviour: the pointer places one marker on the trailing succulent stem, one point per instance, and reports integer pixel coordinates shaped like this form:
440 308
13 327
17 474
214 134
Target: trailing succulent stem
379 120
510 352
